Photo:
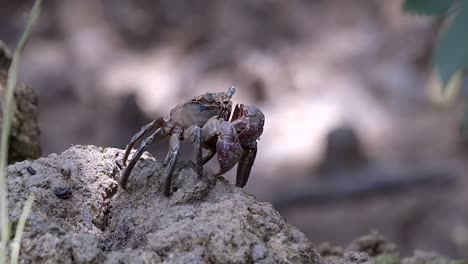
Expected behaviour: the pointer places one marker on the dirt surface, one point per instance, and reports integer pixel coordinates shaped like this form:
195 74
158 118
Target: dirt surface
25 128
81 216
374 248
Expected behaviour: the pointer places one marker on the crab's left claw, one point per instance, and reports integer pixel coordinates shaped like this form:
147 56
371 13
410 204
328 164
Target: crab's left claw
229 151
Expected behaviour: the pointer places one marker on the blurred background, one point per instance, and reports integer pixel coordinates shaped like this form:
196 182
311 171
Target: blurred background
355 137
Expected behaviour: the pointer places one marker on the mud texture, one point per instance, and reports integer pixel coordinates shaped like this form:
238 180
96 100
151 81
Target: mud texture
24 137
375 249
80 215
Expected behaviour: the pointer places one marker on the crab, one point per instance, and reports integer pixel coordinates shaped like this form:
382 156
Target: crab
204 121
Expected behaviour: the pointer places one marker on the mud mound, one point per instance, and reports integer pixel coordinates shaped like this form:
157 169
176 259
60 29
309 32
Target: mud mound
81 216
373 248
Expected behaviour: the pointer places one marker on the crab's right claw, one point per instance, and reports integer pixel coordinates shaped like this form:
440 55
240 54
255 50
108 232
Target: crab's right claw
248 121
229 151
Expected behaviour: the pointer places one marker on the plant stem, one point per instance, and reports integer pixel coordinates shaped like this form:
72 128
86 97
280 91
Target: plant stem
6 127
16 244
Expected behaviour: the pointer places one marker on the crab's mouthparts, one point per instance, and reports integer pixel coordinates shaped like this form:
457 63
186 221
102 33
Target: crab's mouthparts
224 114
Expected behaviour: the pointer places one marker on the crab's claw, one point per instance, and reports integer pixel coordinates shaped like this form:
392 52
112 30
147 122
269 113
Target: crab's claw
245 164
248 122
229 151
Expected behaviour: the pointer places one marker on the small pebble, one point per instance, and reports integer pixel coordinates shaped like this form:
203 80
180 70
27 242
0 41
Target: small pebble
190 215
259 252
65 172
107 244
63 192
31 170
87 218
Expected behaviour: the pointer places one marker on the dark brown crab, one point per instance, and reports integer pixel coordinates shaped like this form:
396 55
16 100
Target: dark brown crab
203 120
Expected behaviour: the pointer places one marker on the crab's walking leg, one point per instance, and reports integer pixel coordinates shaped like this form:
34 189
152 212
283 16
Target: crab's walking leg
143 146
174 146
148 127
198 150
194 134
245 164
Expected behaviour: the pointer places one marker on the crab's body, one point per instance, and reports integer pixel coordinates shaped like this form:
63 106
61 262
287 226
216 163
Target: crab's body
203 120
200 109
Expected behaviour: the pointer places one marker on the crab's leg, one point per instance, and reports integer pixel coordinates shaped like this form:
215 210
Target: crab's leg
148 127
198 150
245 164
194 134
143 146
174 146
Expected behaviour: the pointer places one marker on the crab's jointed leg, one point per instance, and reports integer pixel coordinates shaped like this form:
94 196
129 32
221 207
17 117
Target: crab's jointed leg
171 159
148 127
198 150
141 149
194 134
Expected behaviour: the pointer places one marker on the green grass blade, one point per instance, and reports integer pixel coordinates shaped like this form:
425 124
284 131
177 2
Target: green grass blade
429 7
451 53
5 130
16 244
